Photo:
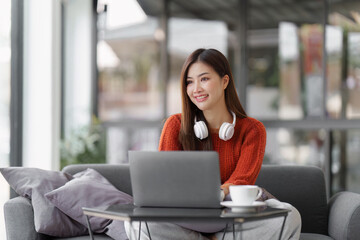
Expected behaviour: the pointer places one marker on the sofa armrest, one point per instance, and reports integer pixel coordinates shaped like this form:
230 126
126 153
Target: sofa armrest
344 216
19 220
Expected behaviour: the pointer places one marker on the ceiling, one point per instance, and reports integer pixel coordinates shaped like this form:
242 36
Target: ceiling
262 14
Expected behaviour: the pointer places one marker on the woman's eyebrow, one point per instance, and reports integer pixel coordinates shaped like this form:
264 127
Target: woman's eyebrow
201 74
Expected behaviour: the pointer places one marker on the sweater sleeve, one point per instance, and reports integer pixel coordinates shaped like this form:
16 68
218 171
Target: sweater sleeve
169 139
251 156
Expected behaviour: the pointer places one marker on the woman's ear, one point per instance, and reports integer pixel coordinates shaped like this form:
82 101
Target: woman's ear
226 80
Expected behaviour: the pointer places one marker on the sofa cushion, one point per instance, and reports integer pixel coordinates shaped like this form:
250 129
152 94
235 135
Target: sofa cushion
96 236
90 189
117 174
33 183
314 236
304 188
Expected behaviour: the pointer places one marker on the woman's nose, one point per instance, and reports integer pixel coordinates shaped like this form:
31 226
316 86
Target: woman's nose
197 87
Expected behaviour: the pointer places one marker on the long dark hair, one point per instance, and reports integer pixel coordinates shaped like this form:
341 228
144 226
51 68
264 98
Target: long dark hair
219 63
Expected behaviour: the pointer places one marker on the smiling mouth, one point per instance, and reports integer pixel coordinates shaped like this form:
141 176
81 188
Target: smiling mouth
201 98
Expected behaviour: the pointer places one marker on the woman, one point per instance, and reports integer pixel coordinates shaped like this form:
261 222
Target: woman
208 94
212 118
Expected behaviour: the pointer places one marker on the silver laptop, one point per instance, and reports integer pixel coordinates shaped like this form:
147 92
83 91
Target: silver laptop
189 179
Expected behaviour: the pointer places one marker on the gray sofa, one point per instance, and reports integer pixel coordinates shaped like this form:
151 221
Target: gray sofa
302 186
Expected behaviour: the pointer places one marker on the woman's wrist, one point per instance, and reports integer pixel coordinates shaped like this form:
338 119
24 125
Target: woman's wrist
225 188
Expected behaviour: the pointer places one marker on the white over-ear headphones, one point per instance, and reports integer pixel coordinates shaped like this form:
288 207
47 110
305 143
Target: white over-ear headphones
226 130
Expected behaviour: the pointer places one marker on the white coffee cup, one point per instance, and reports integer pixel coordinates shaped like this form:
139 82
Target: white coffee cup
244 194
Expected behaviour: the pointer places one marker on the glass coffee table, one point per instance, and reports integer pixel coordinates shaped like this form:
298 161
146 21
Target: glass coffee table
131 213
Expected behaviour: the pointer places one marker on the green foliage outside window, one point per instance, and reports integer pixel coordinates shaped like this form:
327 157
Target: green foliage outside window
84 145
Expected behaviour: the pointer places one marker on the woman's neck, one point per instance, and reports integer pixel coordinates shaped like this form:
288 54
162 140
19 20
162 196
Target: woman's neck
216 118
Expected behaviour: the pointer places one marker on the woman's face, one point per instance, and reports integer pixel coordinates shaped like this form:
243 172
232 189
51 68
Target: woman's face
205 87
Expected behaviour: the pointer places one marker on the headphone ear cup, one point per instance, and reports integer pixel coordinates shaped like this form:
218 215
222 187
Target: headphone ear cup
200 130
226 131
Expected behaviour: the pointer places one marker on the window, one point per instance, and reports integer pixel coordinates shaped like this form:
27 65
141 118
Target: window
130 92
304 84
302 147
5 57
345 165
128 63
343 100
285 60
296 69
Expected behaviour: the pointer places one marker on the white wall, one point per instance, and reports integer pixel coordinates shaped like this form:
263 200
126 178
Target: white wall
41 83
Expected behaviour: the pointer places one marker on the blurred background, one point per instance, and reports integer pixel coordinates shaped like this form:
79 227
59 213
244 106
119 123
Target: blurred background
84 81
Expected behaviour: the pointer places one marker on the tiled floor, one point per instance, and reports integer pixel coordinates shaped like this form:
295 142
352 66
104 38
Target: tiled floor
4 196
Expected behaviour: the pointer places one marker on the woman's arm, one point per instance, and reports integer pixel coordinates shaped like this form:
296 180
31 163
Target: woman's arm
169 139
251 156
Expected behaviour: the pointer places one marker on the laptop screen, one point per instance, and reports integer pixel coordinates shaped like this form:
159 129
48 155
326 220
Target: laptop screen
175 178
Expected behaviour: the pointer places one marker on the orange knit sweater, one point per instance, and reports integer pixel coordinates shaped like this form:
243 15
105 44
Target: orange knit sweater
240 157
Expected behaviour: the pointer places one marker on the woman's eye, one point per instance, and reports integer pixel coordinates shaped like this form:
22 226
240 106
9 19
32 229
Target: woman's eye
188 82
204 79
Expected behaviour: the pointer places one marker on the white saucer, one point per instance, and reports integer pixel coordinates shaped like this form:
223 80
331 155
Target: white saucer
231 204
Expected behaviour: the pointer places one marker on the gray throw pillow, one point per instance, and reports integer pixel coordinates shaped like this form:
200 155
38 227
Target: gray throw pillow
33 183
90 189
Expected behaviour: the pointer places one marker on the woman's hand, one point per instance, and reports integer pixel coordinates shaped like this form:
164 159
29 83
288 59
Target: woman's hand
225 188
